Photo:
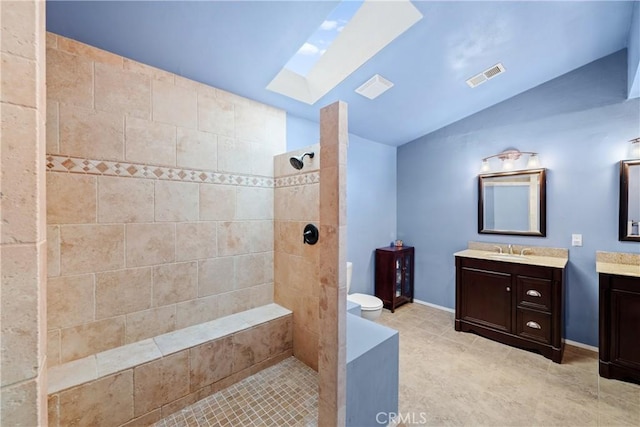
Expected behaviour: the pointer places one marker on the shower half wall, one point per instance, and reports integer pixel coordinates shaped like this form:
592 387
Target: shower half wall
159 201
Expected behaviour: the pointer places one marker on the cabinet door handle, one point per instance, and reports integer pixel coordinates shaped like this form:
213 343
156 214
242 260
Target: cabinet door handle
508 289
533 293
533 325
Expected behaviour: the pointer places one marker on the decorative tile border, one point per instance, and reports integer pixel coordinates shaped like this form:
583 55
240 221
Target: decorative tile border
70 164
301 179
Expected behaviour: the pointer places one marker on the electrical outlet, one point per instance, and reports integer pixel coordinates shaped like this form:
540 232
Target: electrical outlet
576 240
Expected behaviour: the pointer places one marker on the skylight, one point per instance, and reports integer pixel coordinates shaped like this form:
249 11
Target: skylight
373 25
316 45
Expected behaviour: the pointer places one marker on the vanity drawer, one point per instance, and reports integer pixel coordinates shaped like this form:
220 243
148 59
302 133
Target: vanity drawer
533 325
534 292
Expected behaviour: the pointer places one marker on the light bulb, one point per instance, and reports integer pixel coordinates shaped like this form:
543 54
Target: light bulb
534 162
507 164
485 166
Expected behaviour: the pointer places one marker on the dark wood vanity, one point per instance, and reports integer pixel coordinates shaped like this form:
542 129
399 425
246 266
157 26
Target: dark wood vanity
619 341
514 303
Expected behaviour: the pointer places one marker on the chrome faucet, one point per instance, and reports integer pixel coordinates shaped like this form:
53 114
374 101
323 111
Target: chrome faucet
510 249
499 249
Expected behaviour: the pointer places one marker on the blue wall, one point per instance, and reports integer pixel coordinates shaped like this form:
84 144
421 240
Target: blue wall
580 124
371 197
633 54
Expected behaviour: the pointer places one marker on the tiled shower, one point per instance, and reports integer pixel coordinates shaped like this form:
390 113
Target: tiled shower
164 208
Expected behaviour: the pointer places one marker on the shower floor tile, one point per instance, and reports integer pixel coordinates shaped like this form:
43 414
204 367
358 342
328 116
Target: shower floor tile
285 394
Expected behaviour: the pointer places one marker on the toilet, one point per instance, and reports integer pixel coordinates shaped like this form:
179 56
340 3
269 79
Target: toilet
370 306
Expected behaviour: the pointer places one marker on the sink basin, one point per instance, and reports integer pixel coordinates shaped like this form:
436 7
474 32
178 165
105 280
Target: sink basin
507 257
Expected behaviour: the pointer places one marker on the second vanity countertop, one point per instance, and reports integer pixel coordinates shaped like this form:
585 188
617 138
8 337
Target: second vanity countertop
620 264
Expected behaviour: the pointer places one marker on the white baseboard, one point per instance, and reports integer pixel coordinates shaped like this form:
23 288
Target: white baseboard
439 307
451 310
581 345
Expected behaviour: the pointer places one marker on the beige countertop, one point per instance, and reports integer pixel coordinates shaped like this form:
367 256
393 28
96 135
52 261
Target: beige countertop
618 263
541 260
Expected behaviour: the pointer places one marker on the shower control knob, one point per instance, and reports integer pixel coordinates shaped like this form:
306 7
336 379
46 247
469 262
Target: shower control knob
310 234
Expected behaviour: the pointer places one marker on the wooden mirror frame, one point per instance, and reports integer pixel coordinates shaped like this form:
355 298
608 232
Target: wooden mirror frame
624 201
542 206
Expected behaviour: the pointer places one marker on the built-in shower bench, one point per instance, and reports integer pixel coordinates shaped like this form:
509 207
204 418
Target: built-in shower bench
140 383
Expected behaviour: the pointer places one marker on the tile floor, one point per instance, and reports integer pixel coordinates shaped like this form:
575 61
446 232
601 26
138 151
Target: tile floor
457 378
285 394
446 378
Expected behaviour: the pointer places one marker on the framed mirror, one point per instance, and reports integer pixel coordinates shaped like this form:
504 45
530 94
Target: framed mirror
629 200
513 203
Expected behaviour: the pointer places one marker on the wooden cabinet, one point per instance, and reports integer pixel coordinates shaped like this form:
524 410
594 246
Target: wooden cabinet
620 327
394 276
516 304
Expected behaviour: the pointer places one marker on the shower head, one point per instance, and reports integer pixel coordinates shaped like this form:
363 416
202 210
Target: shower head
297 161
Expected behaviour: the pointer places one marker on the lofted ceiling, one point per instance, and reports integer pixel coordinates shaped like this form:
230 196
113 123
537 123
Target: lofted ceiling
240 46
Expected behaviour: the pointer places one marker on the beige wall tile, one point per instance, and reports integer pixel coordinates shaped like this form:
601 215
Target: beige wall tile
276 129
20 404
123 292
71 198
262 160
19 304
53 251
52 40
215 276
197 150
17 38
210 362
53 411
234 156
305 347
53 347
250 347
250 121
161 381
106 401
196 240
217 202
154 73
69 78
19 174
249 270
149 244
174 283
216 115
52 128
122 92
261 233
254 203
196 311
70 300
91 338
235 301
174 105
125 199
92 134
91 248
149 323
176 201
150 142
234 238
89 52
18 83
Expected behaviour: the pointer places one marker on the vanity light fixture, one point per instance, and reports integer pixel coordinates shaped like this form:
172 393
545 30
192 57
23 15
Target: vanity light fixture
634 149
509 158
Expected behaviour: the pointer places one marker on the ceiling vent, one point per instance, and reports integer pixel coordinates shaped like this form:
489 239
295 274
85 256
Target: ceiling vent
487 74
374 87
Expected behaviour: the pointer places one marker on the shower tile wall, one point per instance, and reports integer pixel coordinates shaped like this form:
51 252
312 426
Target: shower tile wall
23 391
159 201
296 280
